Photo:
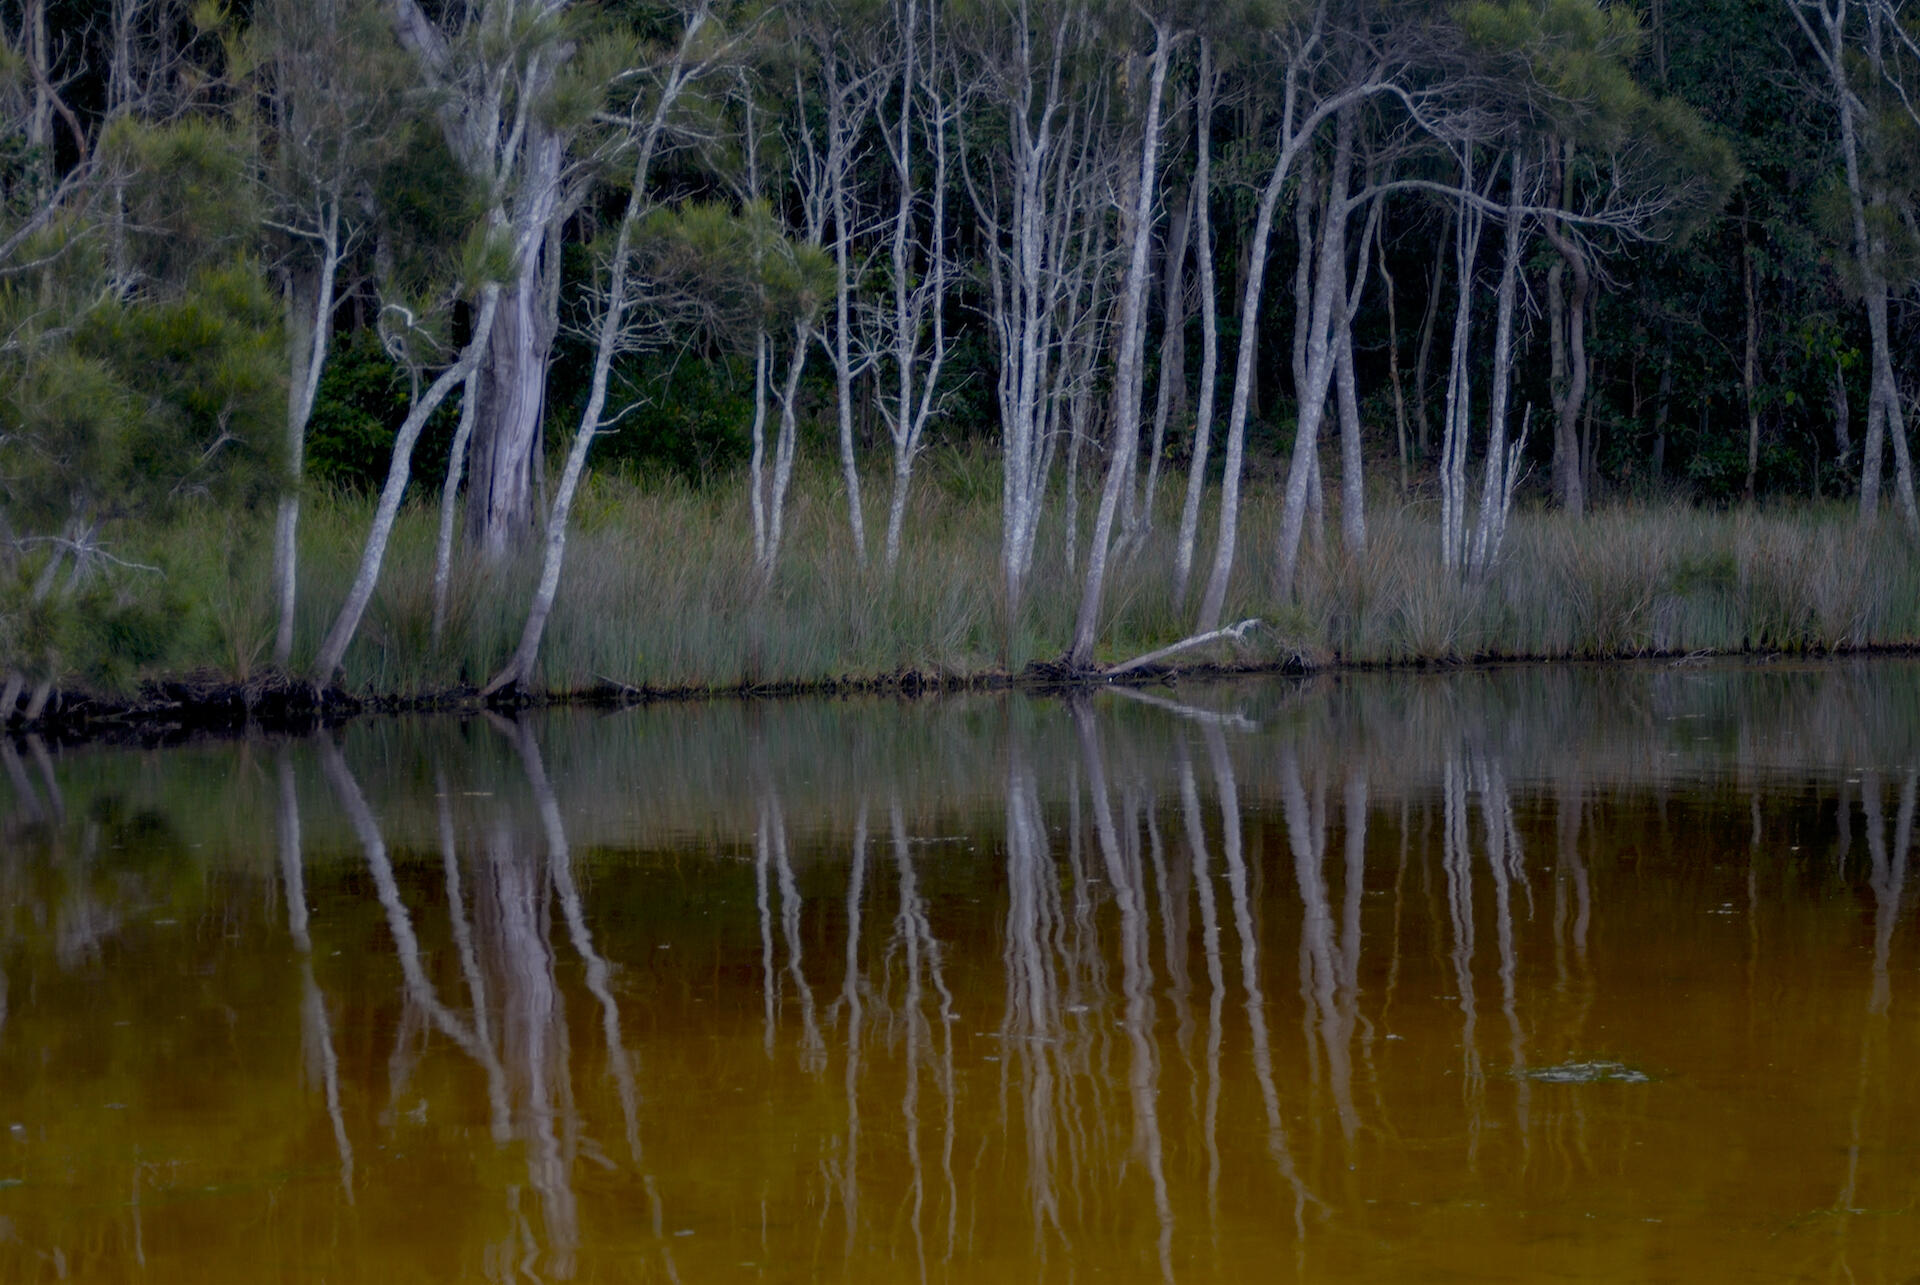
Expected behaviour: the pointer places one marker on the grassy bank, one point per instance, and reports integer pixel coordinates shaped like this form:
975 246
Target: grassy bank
659 591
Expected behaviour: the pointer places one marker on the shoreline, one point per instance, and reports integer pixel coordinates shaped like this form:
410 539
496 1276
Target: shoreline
174 709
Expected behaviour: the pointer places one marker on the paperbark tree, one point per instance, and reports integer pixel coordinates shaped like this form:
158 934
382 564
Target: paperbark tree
913 332
610 337
491 70
1567 331
1031 194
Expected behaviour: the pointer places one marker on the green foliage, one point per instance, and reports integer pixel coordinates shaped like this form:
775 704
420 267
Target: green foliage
724 271
190 199
207 369
362 401
1567 63
426 212
685 417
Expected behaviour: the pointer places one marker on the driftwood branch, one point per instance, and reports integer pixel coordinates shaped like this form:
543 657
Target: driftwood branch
1235 632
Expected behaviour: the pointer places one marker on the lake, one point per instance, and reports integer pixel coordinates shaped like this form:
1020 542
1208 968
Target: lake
1549 973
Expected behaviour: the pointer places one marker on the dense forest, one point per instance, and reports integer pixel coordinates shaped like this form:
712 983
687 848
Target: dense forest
858 336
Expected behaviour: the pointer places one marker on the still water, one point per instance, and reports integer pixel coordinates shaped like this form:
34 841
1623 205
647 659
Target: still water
1531 974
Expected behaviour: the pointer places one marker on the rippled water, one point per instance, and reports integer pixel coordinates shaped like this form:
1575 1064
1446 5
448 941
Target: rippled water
1541 974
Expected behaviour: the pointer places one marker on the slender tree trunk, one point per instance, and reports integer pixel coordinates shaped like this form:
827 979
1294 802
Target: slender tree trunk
1572 321
839 144
334 648
1213 601
310 326
1496 489
1172 391
1128 372
788 395
915 308
1393 360
519 668
1436 286
449 504
1329 290
1842 413
1750 360
1457 428
1209 322
757 459
1353 491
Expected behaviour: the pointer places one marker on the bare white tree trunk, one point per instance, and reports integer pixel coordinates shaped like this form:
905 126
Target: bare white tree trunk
1353 491
1298 124
334 648
1831 43
490 72
757 459
1129 365
1030 208
449 502
1457 428
1502 462
915 307
770 486
1173 375
848 102
309 331
1209 321
1329 288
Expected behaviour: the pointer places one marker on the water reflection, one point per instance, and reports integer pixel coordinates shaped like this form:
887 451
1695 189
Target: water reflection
1337 980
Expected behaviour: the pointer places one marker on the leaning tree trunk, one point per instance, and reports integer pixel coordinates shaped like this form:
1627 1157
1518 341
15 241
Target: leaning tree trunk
334 649
1457 422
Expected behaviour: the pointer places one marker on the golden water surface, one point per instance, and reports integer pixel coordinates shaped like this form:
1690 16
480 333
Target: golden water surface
1541 975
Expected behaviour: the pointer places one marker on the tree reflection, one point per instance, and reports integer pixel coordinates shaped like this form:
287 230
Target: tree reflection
1152 998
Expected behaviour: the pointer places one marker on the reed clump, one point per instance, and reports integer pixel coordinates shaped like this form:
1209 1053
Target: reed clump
660 592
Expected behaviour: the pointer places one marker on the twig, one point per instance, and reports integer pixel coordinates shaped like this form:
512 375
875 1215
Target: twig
1236 632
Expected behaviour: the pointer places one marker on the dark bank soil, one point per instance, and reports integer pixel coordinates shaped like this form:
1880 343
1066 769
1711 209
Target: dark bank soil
172 709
